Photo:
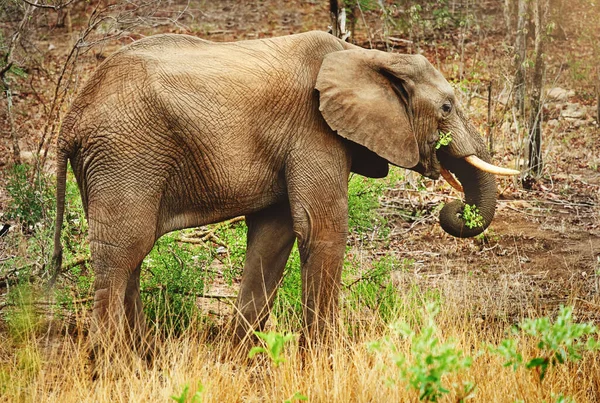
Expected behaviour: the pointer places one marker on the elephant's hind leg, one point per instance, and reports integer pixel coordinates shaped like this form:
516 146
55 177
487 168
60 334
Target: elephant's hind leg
270 241
116 257
134 314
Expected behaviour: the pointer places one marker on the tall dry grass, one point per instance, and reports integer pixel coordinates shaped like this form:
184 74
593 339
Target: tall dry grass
50 366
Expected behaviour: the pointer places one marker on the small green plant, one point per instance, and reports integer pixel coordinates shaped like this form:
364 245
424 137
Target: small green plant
374 289
557 342
296 396
274 345
472 216
183 396
287 307
444 140
363 200
31 197
22 319
172 276
234 236
428 361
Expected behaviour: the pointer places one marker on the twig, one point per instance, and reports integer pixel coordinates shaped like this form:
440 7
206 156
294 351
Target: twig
587 302
525 212
63 303
190 293
199 238
399 40
9 63
203 240
76 263
49 6
367 28
48 303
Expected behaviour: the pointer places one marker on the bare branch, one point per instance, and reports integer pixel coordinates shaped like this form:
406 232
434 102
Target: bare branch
48 6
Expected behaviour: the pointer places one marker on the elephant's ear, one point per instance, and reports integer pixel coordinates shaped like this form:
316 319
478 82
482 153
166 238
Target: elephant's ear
368 104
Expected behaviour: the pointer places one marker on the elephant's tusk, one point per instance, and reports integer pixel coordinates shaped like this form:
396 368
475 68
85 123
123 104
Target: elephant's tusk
493 169
451 180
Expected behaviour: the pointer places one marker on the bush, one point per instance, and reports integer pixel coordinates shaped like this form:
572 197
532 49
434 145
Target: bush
375 290
32 197
173 275
428 360
288 303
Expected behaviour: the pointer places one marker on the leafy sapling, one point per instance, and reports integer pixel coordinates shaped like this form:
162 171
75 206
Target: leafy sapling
183 396
444 140
428 361
296 396
274 344
557 342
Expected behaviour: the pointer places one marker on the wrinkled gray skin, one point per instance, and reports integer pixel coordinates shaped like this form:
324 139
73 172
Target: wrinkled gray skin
174 132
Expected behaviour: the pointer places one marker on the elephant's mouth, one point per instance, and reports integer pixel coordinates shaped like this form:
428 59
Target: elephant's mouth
479 164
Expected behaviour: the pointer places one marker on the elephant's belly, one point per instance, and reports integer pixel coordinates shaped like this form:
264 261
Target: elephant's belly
216 205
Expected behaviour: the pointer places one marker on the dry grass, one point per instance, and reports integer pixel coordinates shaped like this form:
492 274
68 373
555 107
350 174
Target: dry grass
50 366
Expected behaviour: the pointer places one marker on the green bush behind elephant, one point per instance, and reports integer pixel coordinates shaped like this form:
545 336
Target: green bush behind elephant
173 132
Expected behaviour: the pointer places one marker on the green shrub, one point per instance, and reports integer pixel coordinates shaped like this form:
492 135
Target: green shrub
234 236
32 197
287 307
375 290
173 275
363 200
183 396
557 342
21 318
274 344
428 360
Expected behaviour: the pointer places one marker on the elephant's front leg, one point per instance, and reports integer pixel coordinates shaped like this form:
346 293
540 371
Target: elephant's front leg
270 240
319 204
322 250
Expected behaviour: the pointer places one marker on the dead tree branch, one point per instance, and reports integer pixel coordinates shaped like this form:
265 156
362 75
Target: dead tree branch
8 65
54 7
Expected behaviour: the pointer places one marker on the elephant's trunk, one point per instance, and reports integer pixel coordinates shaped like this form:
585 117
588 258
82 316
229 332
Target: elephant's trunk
480 191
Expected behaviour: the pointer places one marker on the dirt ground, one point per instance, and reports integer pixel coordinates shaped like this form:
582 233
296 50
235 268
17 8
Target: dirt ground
543 247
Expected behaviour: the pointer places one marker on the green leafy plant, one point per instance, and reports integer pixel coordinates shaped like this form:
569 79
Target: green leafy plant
287 307
557 342
31 196
374 288
296 396
234 236
274 345
444 140
22 319
428 361
472 216
363 200
173 276
183 396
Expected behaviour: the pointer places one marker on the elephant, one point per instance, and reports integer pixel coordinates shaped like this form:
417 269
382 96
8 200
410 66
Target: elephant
173 131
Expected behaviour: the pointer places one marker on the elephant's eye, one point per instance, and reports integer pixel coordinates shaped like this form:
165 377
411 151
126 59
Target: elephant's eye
447 108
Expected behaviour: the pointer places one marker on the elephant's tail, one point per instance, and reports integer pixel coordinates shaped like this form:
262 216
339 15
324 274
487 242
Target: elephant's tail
61 179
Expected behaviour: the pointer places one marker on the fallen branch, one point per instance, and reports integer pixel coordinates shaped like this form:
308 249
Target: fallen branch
50 6
78 262
189 293
200 238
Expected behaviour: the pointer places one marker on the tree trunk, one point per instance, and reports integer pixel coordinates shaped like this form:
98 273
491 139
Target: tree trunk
540 8
598 98
334 11
509 17
490 124
520 57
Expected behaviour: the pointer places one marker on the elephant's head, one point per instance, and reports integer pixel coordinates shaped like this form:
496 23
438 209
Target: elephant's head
396 106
